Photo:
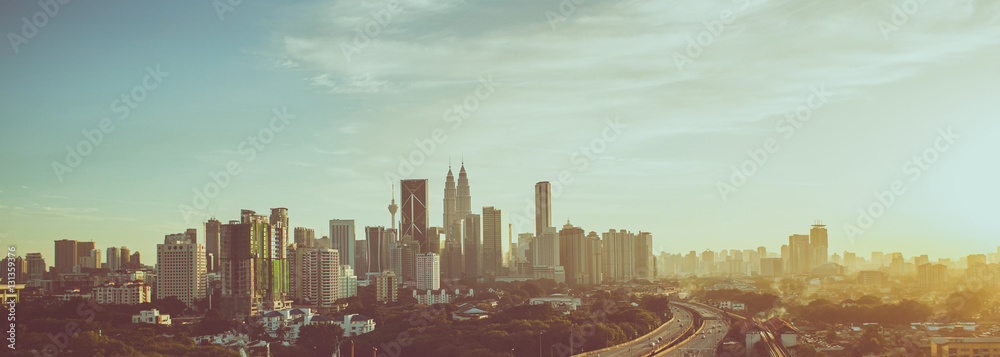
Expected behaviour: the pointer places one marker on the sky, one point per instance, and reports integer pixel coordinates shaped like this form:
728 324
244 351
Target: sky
712 124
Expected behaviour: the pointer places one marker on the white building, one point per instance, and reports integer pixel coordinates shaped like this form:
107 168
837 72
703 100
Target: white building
151 317
558 301
348 282
428 271
431 297
322 279
131 293
355 324
181 271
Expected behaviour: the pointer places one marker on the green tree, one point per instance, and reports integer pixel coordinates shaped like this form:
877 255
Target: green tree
320 340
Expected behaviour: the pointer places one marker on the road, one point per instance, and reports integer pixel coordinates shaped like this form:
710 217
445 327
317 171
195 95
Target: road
707 340
640 347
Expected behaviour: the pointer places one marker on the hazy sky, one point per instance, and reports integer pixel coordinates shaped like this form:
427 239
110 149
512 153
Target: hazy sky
694 84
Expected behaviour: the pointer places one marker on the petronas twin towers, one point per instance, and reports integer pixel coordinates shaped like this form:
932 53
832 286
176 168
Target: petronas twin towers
460 255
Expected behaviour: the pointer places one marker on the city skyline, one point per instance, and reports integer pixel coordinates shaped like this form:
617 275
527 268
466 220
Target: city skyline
665 142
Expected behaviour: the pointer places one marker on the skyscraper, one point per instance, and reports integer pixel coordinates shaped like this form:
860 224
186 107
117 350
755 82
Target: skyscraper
450 204
66 256
83 250
114 258
473 245
818 244
36 266
126 257
379 249
414 222
254 269
342 239
492 242
543 208
463 205
213 234
322 279
304 237
180 267
799 253
428 271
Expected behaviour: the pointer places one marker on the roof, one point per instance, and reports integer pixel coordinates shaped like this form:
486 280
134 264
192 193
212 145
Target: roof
297 312
360 318
273 314
320 318
778 325
947 340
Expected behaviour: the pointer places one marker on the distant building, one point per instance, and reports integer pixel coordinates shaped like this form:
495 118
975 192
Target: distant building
771 267
66 256
413 196
428 271
871 277
130 293
355 325
151 317
36 266
965 347
931 276
559 302
386 287
431 297
492 241
342 238
181 271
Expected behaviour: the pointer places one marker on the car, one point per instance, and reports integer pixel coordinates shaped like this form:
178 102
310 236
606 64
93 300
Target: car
702 337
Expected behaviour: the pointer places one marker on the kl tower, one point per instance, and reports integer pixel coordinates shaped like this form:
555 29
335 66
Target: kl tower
393 207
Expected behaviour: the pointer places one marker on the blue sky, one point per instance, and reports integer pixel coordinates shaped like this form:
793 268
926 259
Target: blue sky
558 76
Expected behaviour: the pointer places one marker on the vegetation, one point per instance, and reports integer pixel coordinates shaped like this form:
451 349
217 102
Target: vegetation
904 312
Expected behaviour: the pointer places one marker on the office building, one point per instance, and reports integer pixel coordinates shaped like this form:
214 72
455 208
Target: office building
799 253
130 293
114 258
213 236
492 260
428 271
254 268
932 276
819 245
83 249
965 346
543 208
386 287
36 266
180 268
304 237
473 245
189 236
66 256
414 223
342 239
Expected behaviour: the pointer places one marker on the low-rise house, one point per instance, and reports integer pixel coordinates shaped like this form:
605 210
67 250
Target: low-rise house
151 317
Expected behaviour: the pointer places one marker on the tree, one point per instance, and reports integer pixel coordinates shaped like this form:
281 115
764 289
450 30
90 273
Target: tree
320 340
212 323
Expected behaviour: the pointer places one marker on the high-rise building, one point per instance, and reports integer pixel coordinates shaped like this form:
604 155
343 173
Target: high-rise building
450 214
114 258
932 276
818 244
304 237
97 257
213 235
361 259
135 261
580 256
65 256
386 287
36 266
414 222
126 257
771 267
644 255
543 208
619 255
708 262
799 253
189 236
492 242
473 245
546 248
428 271
253 269
322 279
297 257
379 249
180 268
348 282
342 239
83 250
